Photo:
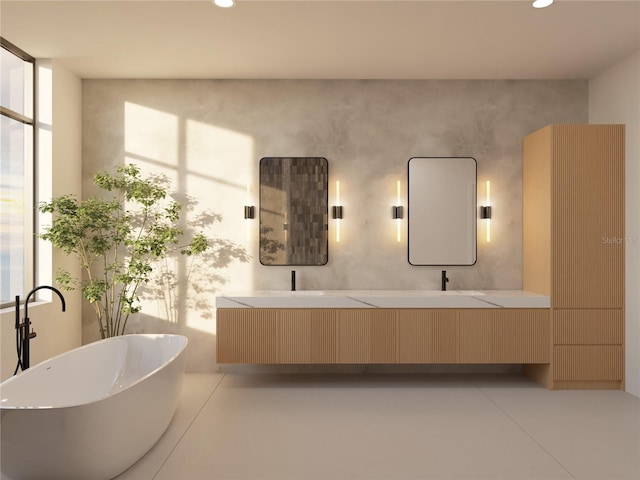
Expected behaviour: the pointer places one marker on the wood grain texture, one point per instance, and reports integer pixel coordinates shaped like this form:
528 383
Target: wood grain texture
475 332
427 336
354 336
588 363
588 216
536 212
324 336
246 335
294 336
508 336
580 169
520 335
589 385
588 327
306 336
367 336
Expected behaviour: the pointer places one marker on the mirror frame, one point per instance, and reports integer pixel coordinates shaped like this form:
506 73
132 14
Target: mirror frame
429 200
304 214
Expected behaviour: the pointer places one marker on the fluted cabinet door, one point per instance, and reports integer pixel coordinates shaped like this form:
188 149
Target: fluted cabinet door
588 363
475 335
428 336
246 335
588 327
367 335
521 335
306 336
588 216
508 336
580 169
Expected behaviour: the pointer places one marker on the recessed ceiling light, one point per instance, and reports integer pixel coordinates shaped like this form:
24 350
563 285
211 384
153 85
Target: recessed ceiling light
224 3
542 3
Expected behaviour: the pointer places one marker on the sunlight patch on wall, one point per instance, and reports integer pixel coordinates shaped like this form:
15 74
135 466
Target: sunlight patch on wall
151 139
211 169
221 170
219 166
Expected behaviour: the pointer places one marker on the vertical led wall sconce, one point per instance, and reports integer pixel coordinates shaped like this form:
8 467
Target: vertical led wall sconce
485 211
337 211
397 213
249 210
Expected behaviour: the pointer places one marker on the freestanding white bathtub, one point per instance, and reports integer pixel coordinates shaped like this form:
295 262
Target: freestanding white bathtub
92 412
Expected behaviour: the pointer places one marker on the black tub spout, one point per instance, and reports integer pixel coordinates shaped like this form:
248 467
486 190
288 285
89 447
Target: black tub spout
23 335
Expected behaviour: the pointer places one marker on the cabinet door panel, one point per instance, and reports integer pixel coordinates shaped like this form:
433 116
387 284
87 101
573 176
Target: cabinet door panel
367 336
521 336
588 216
324 336
588 327
475 336
246 335
306 336
427 336
588 363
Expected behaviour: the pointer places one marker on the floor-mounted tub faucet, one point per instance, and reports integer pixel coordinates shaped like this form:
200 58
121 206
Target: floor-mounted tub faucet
23 335
444 280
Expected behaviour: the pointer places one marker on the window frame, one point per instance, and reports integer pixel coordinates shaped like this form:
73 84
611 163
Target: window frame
29 172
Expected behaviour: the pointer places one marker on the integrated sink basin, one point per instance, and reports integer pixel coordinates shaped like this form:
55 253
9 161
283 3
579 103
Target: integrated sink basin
374 293
294 293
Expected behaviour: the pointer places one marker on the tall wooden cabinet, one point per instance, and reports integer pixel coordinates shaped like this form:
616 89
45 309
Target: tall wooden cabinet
573 250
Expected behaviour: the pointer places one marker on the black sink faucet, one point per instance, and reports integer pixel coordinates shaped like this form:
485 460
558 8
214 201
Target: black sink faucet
23 335
293 280
444 280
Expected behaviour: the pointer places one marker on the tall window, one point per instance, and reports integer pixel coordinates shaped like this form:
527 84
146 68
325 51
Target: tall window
17 82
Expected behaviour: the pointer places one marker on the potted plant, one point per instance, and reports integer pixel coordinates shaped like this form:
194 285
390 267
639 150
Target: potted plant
118 239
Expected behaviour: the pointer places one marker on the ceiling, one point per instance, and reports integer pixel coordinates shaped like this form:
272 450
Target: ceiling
321 39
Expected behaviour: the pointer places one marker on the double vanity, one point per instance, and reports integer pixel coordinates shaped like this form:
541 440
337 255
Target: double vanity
389 327
569 334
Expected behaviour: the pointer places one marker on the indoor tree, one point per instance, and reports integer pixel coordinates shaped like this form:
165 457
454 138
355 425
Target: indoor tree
117 239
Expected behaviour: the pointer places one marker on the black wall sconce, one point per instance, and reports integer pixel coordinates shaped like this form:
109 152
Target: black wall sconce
249 211
397 213
337 211
485 212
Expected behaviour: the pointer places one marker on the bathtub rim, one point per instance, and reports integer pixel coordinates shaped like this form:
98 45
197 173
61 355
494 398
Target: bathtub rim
82 347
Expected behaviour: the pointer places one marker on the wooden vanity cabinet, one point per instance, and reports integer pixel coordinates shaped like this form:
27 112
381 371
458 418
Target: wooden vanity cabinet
428 336
247 335
507 336
382 335
573 249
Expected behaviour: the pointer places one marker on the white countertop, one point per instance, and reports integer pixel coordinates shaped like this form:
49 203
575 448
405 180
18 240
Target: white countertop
384 299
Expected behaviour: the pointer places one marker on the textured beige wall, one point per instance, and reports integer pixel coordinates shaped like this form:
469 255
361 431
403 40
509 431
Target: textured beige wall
207 136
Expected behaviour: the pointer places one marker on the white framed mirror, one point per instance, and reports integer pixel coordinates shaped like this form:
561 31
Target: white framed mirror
442 211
